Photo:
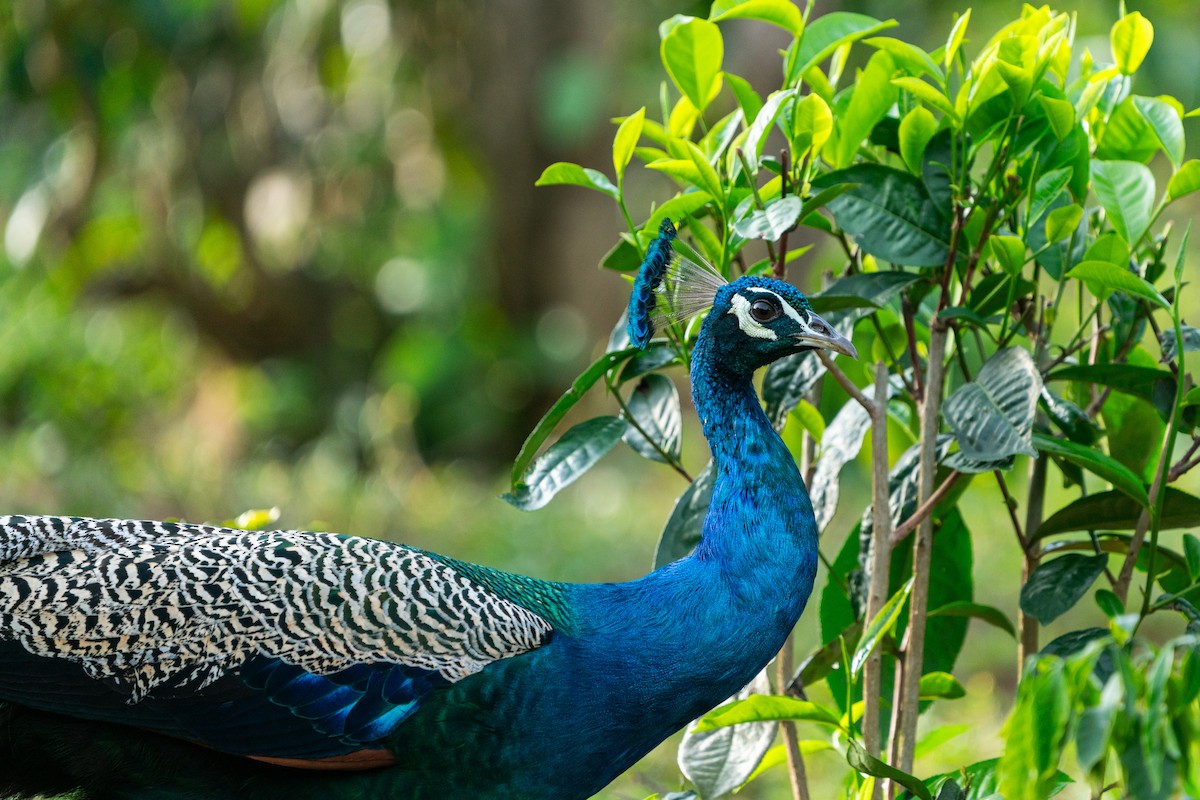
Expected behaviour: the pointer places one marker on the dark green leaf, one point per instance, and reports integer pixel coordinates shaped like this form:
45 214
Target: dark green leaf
890 215
1115 510
1191 550
868 764
992 417
683 528
623 257
560 408
935 171
988 614
1096 462
862 290
822 661
787 381
1056 585
654 407
1069 418
1109 603
719 761
654 357
992 294
1155 386
565 461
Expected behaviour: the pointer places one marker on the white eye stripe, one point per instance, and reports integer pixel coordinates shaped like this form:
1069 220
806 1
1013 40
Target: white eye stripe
740 308
787 307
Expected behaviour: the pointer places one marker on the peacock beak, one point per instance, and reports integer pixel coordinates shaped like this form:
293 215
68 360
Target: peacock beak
821 334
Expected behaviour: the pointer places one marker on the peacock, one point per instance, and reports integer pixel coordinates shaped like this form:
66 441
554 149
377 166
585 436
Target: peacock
169 660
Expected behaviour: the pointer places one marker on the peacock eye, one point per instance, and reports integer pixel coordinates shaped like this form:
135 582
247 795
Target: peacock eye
764 311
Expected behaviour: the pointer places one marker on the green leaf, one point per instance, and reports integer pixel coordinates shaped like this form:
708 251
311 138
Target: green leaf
916 129
685 205
1055 586
1103 278
1127 135
1166 124
1131 38
748 99
890 215
550 421
769 223
812 125
1185 181
710 180
1048 189
759 129
1155 386
565 461
842 442
681 169
989 614
868 764
1070 418
1009 251
879 627
626 139
254 519
810 419
787 381
910 56
1191 551
826 34
1109 603
1115 511
992 417
654 406
719 761
872 97
1062 222
783 13
862 290
1126 191
767 708
622 257
692 53
927 93
682 531
1060 113
1095 462
955 40
1093 734
565 173
941 686
1035 734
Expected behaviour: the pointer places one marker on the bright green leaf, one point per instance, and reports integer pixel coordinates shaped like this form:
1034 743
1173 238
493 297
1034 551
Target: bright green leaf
626 139
708 176
783 13
676 209
683 170
759 129
1062 222
868 764
692 53
1009 251
566 173
1103 278
955 40
929 94
941 686
908 55
870 100
1131 38
767 708
810 419
812 125
1126 190
827 33
1060 113
916 129
747 98
1185 181
879 627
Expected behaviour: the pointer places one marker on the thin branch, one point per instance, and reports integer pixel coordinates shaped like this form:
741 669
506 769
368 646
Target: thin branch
1027 624
881 554
844 381
1011 505
1185 462
779 270
906 309
926 508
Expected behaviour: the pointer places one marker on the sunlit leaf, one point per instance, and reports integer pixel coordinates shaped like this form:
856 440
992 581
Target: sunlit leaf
868 764
908 55
879 627
1164 120
827 33
761 127
1060 113
1103 278
1185 181
566 173
872 96
916 129
1131 38
941 686
1062 222
783 13
767 708
692 53
812 124
927 93
626 139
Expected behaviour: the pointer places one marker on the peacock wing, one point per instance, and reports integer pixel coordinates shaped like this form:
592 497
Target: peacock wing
280 645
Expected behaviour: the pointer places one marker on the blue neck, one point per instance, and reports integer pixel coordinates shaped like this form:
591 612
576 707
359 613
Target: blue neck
760 523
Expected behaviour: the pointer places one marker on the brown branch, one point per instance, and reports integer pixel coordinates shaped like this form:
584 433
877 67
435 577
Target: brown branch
844 381
1027 625
881 553
926 508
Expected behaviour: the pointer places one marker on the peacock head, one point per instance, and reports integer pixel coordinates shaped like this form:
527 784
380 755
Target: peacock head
752 321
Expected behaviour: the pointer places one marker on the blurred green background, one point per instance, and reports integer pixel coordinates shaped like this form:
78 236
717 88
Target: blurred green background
289 253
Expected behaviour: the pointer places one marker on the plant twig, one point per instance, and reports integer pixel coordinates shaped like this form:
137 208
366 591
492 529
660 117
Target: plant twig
1027 624
881 554
1121 587
922 549
844 381
779 270
926 508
